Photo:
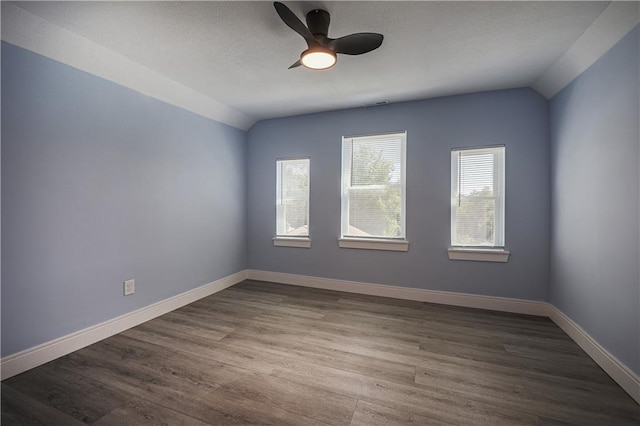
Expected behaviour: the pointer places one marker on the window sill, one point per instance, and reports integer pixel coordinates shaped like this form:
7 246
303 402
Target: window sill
302 242
478 255
369 244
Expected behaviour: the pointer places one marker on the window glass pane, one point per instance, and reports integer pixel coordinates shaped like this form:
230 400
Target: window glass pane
375 162
476 174
292 214
375 212
373 186
475 222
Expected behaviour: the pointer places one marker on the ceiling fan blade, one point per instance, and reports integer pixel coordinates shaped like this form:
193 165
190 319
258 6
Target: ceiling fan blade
292 21
296 64
356 44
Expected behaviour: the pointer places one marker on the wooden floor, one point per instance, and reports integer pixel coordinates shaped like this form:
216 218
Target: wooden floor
261 353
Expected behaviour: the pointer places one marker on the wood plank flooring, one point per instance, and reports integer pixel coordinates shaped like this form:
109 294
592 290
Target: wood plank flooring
262 353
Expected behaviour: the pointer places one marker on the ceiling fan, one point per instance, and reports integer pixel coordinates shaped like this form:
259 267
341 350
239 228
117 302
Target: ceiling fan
322 50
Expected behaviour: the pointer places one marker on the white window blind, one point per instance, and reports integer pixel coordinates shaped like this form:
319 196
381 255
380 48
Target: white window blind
373 186
292 198
477 197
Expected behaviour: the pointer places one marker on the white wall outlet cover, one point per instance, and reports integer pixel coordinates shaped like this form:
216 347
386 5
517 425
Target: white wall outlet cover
129 287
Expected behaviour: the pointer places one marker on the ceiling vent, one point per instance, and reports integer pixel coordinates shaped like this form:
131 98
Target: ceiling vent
379 103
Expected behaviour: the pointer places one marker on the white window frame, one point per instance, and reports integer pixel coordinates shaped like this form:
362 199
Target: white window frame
399 243
282 239
497 252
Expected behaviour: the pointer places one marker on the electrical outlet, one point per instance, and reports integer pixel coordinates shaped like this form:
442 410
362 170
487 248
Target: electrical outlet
129 287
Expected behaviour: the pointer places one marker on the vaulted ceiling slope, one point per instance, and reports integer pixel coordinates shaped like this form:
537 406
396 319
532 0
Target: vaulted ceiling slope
228 60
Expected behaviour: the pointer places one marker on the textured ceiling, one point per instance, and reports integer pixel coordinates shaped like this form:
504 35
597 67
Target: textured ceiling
237 53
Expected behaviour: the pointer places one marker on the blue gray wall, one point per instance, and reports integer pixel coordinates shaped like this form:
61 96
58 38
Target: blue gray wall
101 184
595 204
516 118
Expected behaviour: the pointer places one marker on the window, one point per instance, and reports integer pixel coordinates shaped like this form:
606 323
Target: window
292 202
477 198
373 190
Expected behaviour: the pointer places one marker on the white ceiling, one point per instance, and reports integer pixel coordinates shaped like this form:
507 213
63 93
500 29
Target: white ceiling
235 55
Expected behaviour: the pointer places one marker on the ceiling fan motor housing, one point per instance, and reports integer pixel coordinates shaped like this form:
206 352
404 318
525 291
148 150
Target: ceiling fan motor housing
318 22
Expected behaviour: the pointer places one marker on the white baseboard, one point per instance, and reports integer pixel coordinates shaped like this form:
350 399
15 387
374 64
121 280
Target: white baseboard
627 379
503 304
41 354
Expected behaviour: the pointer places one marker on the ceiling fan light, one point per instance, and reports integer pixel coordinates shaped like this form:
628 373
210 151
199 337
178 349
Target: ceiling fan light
318 58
